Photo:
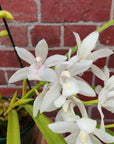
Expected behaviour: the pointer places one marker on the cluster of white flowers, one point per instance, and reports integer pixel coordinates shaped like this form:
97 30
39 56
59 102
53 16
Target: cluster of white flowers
64 83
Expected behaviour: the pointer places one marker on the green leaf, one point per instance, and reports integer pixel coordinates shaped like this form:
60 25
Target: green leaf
31 92
13 131
13 99
42 123
24 87
2 102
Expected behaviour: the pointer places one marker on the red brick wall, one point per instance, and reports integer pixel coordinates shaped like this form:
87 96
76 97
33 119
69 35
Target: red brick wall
54 20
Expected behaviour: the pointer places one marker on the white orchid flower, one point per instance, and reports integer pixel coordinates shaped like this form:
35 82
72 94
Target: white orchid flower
67 112
39 65
106 98
71 84
44 102
85 48
82 131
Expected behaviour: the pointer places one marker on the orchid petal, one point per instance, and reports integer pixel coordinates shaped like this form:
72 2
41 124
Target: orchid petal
98 89
109 105
41 49
63 127
70 87
100 54
110 82
71 139
79 67
107 73
60 68
94 140
54 60
33 73
81 107
83 139
102 117
98 72
48 101
69 53
88 44
84 88
60 101
86 124
105 137
37 104
25 55
47 74
21 74
78 40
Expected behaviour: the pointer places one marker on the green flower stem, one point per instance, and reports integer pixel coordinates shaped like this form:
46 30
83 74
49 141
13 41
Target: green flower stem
90 102
109 126
105 26
33 90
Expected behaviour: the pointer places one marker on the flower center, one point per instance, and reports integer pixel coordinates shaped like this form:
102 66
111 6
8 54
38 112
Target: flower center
65 75
83 137
38 64
38 59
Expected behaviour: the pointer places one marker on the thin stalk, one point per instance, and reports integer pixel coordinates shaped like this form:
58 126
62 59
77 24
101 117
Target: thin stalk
109 126
92 102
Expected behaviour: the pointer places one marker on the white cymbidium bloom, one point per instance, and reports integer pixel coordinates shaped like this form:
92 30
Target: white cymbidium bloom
106 98
44 102
82 131
85 48
39 65
71 84
67 112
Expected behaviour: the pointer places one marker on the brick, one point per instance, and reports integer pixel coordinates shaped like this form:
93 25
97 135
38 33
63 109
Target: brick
8 91
50 33
87 76
19 34
22 11
107 36
100 62
75 10
86 98
96 115
111 61
8 59
2 78
82 30
98 82
53 52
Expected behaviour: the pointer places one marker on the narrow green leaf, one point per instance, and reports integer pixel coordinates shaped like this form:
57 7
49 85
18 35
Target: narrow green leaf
42 123
23 101
24 87
13 132
13 99
2 102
